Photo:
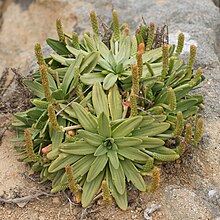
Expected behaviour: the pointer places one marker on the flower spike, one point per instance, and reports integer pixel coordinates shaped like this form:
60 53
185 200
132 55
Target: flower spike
94 22
60 31
39 55
180 44
150 38
29 146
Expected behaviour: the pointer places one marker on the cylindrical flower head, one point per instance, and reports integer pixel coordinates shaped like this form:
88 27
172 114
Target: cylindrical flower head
60 31
196 78
188 133
143 32
52 117
141 48
106 193
155 182
73 186
199 73
181 148
45 82
179 124
75 41
139 63
135 79
133 100
199 131
139 36
94 22
165 56
39 55
148 166
171 99
150 38
180 44
29 145
192 56
116 25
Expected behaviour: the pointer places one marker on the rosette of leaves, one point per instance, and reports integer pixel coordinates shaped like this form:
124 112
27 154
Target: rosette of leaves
111 148
116 56
81 132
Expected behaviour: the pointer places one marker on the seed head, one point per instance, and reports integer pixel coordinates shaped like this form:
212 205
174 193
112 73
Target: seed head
94 22
60 31
39 55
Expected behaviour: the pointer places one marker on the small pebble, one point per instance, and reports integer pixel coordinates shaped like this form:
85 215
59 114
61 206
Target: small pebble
42 218
56 201
211 193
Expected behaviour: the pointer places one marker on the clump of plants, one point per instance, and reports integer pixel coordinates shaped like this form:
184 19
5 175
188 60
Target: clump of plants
106 106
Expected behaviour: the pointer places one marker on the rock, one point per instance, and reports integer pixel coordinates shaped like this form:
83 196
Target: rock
56 200
149 211
42 217
212 193
217 3
182 203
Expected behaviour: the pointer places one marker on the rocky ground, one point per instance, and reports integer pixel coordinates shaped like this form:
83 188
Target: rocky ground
189 190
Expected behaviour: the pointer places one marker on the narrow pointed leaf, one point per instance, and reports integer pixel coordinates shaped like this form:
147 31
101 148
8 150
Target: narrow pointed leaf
127 126
113 157
152 129
133 175
191 111
121 200
78 148
118 178
91 138
100 150
99 100
68 77
104 128
62 161
92 78
151 142
127 141
109 81
97 166
163 150
115 103
89 62
57 46
132 153
35 87
85 118
90 189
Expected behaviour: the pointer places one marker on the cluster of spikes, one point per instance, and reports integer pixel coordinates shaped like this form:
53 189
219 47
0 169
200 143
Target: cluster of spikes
105 108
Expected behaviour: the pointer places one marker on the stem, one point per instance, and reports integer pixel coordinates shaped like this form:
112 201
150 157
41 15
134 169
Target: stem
72 101
72 127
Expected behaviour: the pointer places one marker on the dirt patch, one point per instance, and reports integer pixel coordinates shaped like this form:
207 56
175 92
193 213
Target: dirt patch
9 165
14 95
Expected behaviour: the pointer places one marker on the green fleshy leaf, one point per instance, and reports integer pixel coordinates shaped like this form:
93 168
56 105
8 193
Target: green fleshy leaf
109 81
97 166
